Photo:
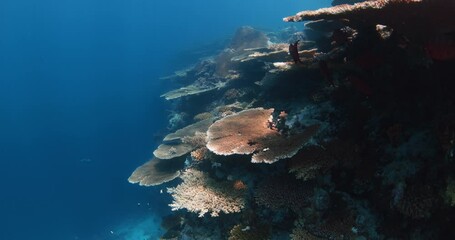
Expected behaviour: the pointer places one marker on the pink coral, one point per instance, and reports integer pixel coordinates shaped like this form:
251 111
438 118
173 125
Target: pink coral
251 132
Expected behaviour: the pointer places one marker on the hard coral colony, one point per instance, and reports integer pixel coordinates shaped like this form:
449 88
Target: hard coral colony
347 133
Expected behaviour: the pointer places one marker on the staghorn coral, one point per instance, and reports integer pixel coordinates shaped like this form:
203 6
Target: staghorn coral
414 17
157 171
249 132
242 232
200 194
282 193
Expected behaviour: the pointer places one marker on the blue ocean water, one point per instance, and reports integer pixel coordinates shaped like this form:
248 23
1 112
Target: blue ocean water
79 103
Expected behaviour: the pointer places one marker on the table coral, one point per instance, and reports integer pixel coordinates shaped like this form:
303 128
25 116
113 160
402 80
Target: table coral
157 171
415 17
250 132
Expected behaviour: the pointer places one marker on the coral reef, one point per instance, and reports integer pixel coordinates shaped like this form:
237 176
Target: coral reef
283 193
251 132
183 140
157 171
200 194
431 17
242 232
358 136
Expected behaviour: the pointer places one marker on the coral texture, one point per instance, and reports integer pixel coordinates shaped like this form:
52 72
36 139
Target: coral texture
183 140
431 17
243 232
157 171
283 193
250 132
200 194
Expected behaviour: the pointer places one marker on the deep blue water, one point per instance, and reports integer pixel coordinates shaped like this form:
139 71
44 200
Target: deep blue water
79 80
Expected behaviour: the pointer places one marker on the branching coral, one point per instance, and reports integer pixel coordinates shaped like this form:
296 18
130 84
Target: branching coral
200 194
157 171
249 132
200 154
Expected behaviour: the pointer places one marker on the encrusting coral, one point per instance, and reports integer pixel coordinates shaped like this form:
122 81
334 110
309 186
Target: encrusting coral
250 132
157 171
200 194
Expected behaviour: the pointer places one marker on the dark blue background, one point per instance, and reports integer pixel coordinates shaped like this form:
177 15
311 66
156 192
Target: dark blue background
79 79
